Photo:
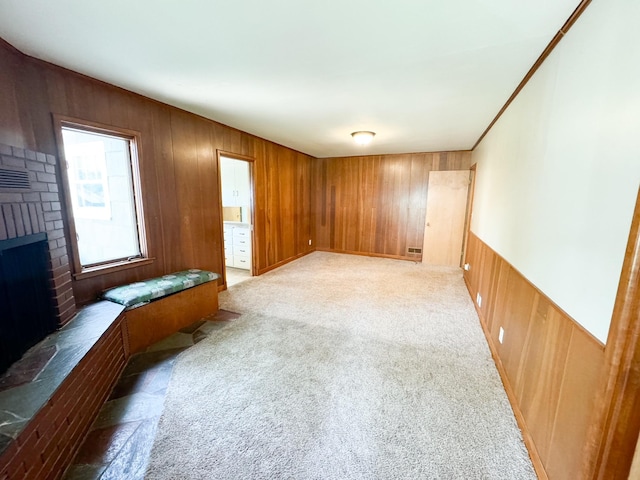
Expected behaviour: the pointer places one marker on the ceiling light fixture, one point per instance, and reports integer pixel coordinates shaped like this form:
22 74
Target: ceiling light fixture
363 138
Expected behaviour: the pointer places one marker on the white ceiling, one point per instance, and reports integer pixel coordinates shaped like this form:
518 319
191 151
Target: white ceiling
425 75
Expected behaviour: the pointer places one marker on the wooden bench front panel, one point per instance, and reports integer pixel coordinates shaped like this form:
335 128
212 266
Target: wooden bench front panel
165 316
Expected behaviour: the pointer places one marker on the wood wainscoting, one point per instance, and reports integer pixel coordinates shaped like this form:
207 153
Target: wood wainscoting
549 364
376 205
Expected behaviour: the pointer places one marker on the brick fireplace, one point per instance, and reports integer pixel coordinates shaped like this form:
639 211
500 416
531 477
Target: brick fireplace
67 376
30 203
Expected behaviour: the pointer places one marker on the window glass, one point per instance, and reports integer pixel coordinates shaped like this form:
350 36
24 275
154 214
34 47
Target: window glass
101 190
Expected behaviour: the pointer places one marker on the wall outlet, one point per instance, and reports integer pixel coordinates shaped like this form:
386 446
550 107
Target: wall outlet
478 300
501 335
309 241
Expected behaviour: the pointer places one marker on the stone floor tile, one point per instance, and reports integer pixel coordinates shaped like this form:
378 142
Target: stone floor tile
177 340
210 327
138 406
199 336
102 445
131 462
119 445
84 472
146 360
154 381
193 327
224 315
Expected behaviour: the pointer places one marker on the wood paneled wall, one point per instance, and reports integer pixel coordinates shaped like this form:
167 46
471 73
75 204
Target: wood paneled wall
376 205
549 364
179 170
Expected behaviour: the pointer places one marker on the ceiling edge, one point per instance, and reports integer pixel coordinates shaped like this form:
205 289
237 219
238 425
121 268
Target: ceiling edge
543 56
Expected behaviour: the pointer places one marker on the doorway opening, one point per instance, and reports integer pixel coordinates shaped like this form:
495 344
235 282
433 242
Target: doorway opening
236 193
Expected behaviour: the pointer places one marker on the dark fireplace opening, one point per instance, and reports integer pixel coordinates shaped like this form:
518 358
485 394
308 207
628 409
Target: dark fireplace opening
26 304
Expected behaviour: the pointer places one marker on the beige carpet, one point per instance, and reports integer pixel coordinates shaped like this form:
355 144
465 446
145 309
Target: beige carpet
341 367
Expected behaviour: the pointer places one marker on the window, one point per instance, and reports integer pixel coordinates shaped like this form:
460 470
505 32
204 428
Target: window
87 175
101 181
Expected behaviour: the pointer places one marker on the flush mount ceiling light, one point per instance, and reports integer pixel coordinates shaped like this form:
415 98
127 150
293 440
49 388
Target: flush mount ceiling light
363 138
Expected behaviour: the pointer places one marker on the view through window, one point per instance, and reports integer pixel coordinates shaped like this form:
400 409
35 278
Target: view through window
101 190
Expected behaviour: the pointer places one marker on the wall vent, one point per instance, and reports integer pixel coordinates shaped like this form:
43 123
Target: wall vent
414 250
14 179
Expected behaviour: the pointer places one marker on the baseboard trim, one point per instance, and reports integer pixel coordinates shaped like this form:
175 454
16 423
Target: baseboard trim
367 254
330 250
283 262
526 434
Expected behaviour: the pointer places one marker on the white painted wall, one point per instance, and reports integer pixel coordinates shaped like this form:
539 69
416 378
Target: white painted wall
558 175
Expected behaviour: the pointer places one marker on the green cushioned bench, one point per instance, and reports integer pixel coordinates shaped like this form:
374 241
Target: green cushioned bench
159 307
141 293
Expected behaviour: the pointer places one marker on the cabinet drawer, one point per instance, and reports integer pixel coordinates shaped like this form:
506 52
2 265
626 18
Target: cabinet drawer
245 251
228 260
240 261
241 242
241 232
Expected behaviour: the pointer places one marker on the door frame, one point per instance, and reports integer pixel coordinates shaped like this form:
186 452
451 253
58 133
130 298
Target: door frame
251 160
469 214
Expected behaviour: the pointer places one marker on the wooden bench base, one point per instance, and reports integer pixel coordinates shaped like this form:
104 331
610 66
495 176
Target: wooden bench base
165 316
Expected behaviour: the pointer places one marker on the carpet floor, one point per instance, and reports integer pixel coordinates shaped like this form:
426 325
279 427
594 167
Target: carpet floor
341 367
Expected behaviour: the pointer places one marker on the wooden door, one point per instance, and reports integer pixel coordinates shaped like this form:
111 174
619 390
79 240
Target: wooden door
446 210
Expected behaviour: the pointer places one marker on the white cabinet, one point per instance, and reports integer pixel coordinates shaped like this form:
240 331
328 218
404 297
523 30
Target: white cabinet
236 184
237 246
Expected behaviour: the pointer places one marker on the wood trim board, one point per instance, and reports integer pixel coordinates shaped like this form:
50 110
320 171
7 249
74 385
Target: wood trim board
513 400
252 207
543 56
284 262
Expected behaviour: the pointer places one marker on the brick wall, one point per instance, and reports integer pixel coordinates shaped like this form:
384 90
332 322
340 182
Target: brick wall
48 444
37 209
